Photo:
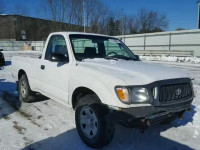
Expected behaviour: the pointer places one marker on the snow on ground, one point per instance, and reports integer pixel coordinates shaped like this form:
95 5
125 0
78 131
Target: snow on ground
47 124
193 60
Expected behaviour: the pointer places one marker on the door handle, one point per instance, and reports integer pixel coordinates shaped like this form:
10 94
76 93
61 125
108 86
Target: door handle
42 67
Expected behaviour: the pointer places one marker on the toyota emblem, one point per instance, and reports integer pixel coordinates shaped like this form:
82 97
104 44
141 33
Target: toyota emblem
178 92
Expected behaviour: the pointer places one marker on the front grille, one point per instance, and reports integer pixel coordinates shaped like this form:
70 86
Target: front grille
175 92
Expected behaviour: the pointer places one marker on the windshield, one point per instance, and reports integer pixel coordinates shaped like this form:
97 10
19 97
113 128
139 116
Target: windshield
92 46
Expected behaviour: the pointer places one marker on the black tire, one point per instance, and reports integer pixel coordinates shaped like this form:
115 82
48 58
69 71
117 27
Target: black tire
104 130
2 60
25 93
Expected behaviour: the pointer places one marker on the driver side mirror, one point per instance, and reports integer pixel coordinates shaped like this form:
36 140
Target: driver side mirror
56 57
137 57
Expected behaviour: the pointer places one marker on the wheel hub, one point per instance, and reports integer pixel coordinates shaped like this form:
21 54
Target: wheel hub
23 90
88 122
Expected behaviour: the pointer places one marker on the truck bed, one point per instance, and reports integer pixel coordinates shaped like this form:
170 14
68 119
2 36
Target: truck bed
27 63
31 54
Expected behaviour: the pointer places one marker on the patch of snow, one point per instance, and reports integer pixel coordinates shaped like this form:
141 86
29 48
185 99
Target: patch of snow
194 60
196 134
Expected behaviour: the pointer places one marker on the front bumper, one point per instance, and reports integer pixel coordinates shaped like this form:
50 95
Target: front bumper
151 113
164 101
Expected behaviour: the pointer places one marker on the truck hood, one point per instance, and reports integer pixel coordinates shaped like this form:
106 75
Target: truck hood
132 72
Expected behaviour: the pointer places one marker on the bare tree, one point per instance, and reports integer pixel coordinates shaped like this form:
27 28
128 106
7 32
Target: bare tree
124 23
97 13
94 14
72 12
127 24
55 10
76 12
73 15
150 21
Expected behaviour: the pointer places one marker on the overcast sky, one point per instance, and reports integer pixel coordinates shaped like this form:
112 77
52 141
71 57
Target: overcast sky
180 13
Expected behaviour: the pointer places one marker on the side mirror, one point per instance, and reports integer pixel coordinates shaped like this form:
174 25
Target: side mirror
55 57
137 57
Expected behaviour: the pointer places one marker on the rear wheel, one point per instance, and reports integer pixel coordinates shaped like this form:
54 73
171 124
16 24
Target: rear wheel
2 60
25 93
91 122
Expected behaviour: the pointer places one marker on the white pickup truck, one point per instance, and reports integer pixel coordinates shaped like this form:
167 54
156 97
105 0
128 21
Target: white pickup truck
104 82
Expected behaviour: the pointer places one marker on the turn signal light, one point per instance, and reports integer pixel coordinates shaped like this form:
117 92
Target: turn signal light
123 94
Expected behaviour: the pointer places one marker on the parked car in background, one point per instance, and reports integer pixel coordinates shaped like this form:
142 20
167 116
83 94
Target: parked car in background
2 59
105 83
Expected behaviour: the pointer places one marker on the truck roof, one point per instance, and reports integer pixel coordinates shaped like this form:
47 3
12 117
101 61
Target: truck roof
82 33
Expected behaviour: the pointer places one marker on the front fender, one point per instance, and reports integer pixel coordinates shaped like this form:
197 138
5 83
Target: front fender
102 84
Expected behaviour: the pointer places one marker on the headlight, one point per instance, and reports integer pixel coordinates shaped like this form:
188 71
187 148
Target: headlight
123 94
130 95
139 95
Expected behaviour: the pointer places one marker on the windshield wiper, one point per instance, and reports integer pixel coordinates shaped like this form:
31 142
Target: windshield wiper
120 57
83 58
109 58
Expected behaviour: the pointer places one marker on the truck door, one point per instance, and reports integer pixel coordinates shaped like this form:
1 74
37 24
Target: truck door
54 69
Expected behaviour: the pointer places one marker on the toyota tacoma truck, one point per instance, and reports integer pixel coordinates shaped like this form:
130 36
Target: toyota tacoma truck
104 82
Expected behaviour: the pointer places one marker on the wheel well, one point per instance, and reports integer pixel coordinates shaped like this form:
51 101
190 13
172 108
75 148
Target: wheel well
21 72
79 93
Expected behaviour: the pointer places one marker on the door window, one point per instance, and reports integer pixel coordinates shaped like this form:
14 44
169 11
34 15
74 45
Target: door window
56 45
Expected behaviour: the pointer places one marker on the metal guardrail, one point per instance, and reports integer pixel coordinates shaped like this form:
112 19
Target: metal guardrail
175 40
178 53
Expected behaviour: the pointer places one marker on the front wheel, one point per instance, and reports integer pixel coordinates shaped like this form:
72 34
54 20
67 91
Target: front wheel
92 126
